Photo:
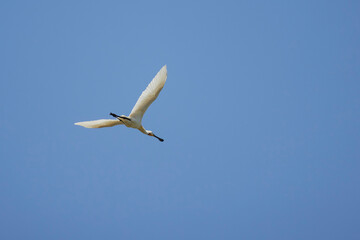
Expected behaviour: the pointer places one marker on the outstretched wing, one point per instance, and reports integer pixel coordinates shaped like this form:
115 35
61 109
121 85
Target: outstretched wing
149 95
99 123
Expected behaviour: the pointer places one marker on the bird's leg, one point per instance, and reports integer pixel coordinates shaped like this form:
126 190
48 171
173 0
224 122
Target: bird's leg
114 115
119 117
160 139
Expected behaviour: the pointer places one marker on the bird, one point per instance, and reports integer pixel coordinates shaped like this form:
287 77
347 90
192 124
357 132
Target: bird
134 120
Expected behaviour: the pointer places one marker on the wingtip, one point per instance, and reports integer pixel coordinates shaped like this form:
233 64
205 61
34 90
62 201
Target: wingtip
164 69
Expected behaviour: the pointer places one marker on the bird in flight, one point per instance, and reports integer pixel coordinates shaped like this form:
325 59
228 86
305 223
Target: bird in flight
147 97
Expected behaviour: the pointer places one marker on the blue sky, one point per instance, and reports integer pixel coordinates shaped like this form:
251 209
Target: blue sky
260 116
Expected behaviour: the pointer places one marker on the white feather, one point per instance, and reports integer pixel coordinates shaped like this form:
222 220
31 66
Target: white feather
99 123
149 95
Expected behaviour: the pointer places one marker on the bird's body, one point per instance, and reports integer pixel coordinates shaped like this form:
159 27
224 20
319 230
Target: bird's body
147 97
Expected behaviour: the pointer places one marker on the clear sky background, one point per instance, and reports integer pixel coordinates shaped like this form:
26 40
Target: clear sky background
260 116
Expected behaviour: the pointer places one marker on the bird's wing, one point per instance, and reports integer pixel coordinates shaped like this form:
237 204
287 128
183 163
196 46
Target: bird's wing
99 123
149 95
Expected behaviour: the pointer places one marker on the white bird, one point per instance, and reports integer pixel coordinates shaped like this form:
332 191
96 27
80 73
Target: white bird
147 97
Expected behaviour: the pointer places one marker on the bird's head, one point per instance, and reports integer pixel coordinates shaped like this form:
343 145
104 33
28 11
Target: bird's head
150 133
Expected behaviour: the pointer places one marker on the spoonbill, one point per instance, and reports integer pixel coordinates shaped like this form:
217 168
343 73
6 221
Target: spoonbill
147 97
